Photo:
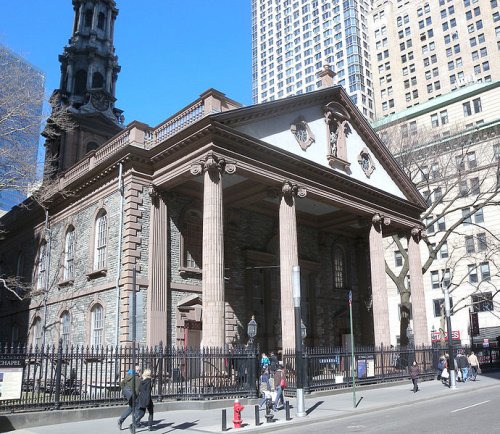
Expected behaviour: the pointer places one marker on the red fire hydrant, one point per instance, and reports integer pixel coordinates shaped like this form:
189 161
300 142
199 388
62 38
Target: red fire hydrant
238 408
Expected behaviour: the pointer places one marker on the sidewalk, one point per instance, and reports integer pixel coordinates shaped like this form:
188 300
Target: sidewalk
319 407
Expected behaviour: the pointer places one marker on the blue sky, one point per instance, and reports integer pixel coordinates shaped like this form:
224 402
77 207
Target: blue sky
170 51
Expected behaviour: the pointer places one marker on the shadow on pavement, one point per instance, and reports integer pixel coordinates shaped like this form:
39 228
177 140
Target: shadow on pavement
314 407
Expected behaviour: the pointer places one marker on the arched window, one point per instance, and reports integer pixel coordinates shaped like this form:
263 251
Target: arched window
339 267
191 245
100 241
65 328
88 17
69 254
41 266
37 332
91 146
97 325
97 80
101 18
80 82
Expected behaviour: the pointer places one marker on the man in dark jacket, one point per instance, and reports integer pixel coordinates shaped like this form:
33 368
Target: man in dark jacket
130 389
144 402
463 365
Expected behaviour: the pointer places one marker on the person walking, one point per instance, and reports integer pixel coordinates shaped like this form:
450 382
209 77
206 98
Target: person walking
144 402
279 385
273 363
463 365
441 366
474 365
414 374
130 389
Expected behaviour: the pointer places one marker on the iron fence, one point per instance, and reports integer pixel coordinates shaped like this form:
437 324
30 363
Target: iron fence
71 377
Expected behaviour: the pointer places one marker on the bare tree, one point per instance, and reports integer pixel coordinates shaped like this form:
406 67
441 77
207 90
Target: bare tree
458 177
21 117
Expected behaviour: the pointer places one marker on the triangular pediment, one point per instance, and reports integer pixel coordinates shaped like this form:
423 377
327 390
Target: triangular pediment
325 128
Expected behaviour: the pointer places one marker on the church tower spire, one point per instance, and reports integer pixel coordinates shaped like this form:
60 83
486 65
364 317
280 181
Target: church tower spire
89 71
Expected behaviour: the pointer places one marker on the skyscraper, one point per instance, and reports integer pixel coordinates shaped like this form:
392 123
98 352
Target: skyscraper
293 40
21 100
423 49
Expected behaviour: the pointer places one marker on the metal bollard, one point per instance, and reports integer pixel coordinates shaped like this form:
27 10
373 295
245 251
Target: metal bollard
269 414
287 410
224 420
257 416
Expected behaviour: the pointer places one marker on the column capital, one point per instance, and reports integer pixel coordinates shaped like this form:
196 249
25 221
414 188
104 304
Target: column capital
212 164
289 190
379 220
156 194
418 233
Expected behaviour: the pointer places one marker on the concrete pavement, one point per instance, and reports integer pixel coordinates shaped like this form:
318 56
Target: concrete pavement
319 406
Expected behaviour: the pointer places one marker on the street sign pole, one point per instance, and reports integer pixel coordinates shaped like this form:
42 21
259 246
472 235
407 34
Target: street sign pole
352 353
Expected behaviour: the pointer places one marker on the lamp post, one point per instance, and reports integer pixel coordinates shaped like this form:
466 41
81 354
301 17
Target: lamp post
251 330
451 359
303 331
298 341
253 360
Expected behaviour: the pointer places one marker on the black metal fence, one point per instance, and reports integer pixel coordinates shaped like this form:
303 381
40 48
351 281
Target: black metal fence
60 377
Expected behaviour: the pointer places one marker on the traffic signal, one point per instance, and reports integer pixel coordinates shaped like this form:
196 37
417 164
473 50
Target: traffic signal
474 324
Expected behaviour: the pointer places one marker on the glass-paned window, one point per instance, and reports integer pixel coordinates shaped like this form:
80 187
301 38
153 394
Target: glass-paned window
443 251
466 216
484 267
42 258
482 243
463 188
439 304
469 244
65 328
479 216
435 280
339 267
474 186
97 325
37 332
482 302
441 223
101 231
398 259
472 272
69 254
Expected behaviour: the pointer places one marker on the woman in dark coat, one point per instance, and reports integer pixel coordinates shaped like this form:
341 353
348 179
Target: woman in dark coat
414 373
144 401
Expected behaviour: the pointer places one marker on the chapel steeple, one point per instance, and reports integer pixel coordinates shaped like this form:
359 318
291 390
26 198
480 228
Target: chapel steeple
89 70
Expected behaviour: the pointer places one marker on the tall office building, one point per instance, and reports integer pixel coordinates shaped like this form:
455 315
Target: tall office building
422 49
292 40
21 101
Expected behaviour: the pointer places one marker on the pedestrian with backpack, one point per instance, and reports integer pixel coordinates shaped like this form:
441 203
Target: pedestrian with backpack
130 389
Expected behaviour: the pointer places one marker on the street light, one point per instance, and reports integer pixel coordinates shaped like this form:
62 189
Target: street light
303 331
451 367
300 332
252 330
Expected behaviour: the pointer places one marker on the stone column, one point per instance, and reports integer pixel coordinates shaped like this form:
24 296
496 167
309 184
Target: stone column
158 270
420 330
81 18
289 256
379 284
213 316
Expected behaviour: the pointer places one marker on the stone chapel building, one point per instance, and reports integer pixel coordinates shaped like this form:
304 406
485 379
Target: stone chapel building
212 208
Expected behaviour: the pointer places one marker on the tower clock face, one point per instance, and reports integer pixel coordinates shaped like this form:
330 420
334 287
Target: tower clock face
100 101
301 133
